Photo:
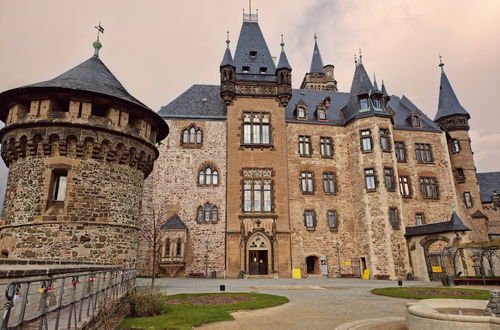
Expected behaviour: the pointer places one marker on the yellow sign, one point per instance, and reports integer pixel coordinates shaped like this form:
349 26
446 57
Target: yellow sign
296 273
366 274
347 262
437 269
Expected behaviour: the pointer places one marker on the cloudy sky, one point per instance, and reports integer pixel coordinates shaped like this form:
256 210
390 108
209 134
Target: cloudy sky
157 49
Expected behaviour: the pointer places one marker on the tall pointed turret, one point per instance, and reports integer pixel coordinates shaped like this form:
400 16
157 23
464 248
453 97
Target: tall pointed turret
227 75
284 74
448 101
319 77
317 61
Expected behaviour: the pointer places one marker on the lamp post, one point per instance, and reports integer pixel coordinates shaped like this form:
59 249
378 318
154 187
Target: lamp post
338 256
206 257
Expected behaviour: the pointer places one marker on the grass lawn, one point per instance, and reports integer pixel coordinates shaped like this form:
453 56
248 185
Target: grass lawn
186 315
428 292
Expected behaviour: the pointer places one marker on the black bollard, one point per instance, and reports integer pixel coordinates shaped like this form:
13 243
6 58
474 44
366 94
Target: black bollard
222 287
400 283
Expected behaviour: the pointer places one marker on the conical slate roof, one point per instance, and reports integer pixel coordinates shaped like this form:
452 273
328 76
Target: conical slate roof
283 61
252 40
317 61
227 59
448 102
384 91
174 222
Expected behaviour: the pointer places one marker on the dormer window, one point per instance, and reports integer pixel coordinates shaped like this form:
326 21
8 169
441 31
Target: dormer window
263 70
377 104
322 114
301 113
416 121
245 69
253 54
363 104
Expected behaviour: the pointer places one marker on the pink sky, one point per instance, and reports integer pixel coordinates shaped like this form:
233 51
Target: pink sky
157 49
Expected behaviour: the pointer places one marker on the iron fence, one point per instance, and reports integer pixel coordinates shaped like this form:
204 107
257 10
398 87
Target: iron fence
63 302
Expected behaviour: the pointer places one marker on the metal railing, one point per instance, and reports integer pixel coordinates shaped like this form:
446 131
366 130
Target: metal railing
63 302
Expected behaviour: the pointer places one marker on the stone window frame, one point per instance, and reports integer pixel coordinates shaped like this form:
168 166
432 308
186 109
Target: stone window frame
322 109
385 135
202 210
312 214
368 137
416 120
400 149
301 105
307 181
168 249
303 142
329 178
423 153
213 170
261 175
426 183
325 141
54 206
179 248
335 215
460 175
420 215
405 184
367 175
389 176
252 123
186 131
455 146
394 219
468 200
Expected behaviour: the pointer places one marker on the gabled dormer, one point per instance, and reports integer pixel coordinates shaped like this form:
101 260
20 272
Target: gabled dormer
414 119
300 111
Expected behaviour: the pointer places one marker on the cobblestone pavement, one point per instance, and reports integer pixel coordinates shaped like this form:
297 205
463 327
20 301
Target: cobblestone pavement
315 303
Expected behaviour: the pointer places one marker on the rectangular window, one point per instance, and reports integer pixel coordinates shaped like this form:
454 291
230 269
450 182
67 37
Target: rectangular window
455 146
370 179
394 218
419 219
423 153
326 147
309 219
256 128
257 190
399 148
305 149
366 141
307 182
389 179
404 186
59 188
331 216
363 104
429 187
468 200
460 175
385 142
329 183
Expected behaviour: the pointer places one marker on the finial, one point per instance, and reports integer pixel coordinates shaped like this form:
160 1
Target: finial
453 207
250 6
227 39
360 57
315 37
355 59
97 44
282 44
441 64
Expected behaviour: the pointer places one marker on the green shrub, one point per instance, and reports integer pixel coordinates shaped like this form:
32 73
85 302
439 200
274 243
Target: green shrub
147 302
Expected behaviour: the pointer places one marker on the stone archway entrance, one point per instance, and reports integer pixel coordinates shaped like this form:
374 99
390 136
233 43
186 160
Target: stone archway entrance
433 252
312 265
259 257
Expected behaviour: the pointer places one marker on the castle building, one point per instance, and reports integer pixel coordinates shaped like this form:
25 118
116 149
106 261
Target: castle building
259 179
78 148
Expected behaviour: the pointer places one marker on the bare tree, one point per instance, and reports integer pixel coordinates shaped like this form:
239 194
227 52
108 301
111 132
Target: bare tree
154 238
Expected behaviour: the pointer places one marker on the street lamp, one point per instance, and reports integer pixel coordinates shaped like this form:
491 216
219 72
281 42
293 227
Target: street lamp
338 256
206 257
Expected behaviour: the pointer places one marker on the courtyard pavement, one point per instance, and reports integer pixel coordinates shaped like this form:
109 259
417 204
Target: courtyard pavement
315 303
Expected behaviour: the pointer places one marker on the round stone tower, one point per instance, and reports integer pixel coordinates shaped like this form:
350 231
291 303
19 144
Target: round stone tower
78 148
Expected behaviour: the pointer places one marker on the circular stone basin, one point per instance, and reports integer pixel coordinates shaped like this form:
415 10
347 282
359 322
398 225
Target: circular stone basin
448 314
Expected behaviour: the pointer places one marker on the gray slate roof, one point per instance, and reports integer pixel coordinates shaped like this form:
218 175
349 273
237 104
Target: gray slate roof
402 108
488 182
175 222
198 102
448 101
228 58
283 61
316 61
91 75
454 224
251 39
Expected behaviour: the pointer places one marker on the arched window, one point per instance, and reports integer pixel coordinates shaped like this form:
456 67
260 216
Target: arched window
167 248
215 177
199 215
215 214
185 136
191 135
208 179
207 212
198 136
178 250
201 177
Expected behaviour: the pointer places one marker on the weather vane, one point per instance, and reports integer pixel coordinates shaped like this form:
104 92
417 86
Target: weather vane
99 29
441 64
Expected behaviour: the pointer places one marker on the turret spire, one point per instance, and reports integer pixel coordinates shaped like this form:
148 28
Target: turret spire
448 101
441 64
375 86
283 61
228 57
317 61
